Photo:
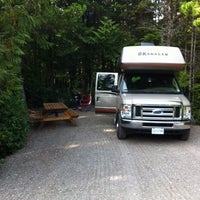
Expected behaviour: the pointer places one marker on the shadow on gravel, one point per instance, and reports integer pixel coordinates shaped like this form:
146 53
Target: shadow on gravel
153 138
148 138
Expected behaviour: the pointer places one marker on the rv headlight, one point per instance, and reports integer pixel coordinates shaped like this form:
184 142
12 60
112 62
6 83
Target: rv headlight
186 112
126 111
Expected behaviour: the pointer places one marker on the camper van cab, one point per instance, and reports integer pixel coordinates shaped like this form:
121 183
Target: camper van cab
145 95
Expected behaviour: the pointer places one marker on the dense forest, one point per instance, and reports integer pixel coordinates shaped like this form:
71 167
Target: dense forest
51 48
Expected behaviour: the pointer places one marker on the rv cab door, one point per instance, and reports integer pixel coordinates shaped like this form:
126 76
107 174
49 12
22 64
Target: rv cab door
105 99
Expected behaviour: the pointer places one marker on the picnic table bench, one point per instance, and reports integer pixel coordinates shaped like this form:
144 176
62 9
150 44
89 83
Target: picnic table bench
53 112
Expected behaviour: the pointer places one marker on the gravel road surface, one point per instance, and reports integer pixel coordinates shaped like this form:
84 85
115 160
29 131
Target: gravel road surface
88 162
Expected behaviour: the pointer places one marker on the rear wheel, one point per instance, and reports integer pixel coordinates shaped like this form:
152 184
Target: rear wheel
184 136
121 132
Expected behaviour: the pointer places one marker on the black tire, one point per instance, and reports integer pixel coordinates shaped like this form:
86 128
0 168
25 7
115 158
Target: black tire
121 132
185 136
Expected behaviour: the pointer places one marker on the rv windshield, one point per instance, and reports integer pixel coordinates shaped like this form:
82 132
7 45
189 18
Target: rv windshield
150 83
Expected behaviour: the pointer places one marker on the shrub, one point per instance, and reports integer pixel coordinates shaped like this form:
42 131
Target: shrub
196 102
13 126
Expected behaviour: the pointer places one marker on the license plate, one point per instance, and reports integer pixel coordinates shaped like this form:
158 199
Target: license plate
157 131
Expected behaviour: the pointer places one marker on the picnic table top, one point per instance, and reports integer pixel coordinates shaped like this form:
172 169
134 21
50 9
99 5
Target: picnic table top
58 106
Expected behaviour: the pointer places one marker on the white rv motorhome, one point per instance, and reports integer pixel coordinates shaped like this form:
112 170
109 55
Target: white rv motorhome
145 95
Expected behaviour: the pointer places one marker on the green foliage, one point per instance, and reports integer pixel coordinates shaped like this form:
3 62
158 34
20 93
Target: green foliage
183 79
196 103
149 35
14 34
50 64
13 124
108 40
192 9
13 115
196 98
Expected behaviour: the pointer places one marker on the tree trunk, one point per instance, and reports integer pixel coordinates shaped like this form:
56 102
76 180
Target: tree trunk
192 61
170 22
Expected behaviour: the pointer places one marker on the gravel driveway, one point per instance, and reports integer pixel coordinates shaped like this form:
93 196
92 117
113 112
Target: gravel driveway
88 162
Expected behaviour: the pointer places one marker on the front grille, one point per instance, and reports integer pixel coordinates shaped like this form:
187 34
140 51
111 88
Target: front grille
154 112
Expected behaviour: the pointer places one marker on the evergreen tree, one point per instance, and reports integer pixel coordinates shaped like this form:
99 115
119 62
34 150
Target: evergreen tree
14 34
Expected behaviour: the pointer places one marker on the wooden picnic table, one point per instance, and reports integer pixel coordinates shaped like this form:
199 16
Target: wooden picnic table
61 111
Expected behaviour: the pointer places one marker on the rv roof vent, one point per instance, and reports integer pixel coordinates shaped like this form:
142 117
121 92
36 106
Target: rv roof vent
147 44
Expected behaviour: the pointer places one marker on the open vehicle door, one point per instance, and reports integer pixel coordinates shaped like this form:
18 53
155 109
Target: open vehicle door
105 99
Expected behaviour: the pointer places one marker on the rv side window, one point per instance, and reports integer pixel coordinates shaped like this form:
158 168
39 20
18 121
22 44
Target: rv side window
105 81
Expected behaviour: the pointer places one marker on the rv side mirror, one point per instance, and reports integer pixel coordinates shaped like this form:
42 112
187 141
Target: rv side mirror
115 89
185 91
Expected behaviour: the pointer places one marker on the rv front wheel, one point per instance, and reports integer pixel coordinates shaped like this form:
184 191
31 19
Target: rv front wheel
121 132
185 135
